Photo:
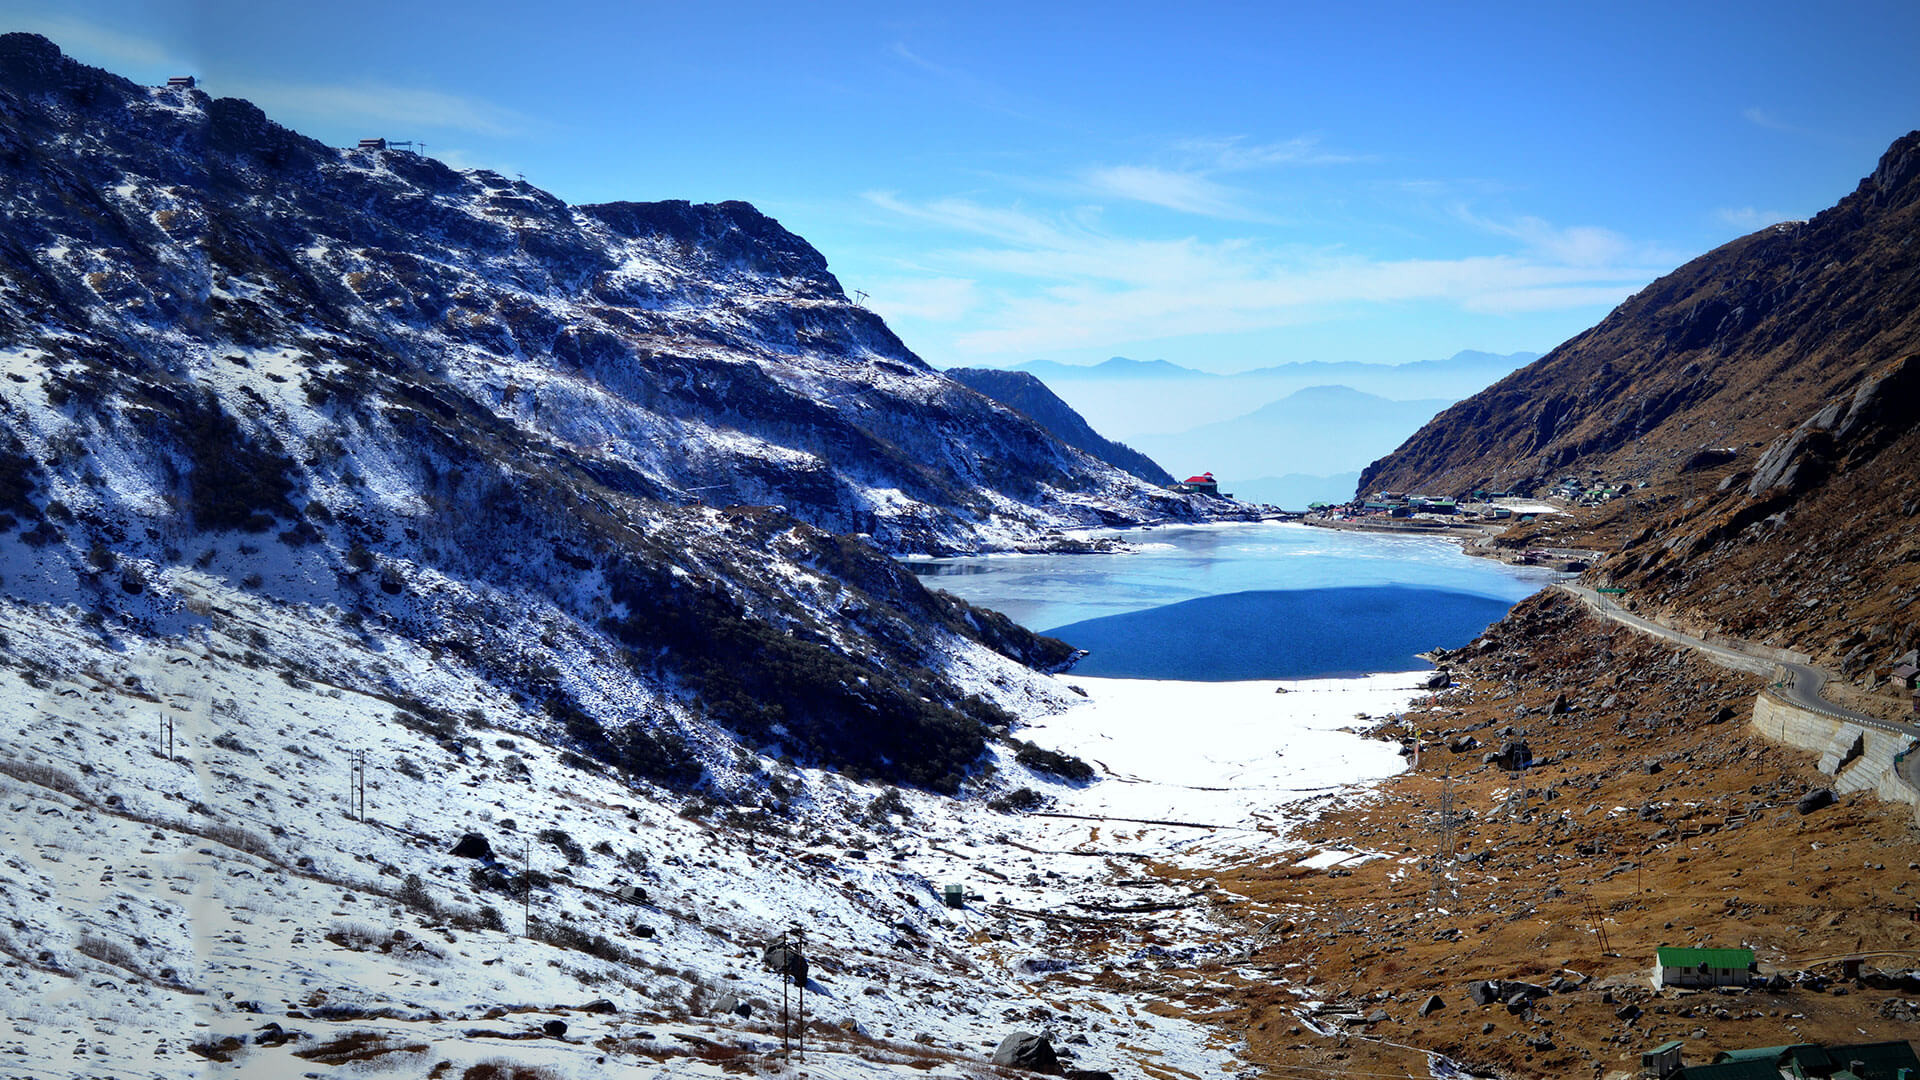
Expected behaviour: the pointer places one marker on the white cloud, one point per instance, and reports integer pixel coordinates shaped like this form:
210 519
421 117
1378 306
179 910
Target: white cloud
1188 183
1068 283
375 104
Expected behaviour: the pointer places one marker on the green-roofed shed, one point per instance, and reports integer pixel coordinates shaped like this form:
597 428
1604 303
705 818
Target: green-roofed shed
1702 967
1762 1053
1732 1070
1662 1061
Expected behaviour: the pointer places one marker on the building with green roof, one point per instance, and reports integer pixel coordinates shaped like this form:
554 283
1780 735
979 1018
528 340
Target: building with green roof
1702 967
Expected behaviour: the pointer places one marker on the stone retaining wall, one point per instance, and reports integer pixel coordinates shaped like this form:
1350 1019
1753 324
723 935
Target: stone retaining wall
1858 758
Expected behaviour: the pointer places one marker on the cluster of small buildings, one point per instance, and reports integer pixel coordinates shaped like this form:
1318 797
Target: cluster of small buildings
1589 492
1394 504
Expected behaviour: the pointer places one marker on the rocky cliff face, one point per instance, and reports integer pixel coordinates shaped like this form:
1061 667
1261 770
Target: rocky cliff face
1793 353
605 456
1027 395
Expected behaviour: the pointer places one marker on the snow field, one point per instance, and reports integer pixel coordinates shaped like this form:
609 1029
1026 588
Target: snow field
151 903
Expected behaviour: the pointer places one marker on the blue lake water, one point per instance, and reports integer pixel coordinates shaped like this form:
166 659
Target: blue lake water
1247 601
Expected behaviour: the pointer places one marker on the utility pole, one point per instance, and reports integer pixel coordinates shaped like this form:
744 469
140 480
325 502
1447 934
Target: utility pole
357 787
1442 868
526 895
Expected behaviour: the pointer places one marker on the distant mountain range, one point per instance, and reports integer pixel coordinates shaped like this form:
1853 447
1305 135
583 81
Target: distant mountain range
1317 431
1127 399
1295 491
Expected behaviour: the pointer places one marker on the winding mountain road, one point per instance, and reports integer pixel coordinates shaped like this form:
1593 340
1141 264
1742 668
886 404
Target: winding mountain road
1800 684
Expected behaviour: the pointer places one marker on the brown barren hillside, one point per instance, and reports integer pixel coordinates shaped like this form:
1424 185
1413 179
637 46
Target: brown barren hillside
1798 348
1730 350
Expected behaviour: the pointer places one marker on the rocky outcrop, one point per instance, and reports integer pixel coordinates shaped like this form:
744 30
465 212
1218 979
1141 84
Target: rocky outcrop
1885 406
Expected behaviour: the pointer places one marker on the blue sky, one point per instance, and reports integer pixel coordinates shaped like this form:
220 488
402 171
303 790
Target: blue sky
1221 185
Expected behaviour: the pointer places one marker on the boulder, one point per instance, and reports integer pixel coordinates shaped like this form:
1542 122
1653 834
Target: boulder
731 1002
554 1028
473 846
599 1005
1432 1005
1025 1050
1817 799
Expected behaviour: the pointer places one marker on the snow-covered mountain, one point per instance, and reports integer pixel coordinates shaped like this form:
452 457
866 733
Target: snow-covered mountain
606 458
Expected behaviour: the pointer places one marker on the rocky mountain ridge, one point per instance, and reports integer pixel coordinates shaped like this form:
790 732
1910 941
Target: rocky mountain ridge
1025 393
605 458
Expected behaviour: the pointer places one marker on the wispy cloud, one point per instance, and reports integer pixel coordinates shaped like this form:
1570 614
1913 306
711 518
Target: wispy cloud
404 107
964 85
1764 119
1234 153
1187 192
104 44
1069 283
1749 219
1571 245
1185 180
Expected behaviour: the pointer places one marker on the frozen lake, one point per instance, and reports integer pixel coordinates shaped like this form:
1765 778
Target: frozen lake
1247 601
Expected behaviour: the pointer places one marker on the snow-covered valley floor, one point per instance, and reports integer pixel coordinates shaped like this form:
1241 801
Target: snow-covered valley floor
223 911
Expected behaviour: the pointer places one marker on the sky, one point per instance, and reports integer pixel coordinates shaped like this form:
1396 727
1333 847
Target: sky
1222 185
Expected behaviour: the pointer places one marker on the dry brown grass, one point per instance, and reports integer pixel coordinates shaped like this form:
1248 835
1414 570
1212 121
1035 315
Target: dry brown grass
1726 861
365 1046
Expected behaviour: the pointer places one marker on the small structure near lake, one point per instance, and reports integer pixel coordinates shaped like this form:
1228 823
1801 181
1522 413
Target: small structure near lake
1702 967
1204 484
